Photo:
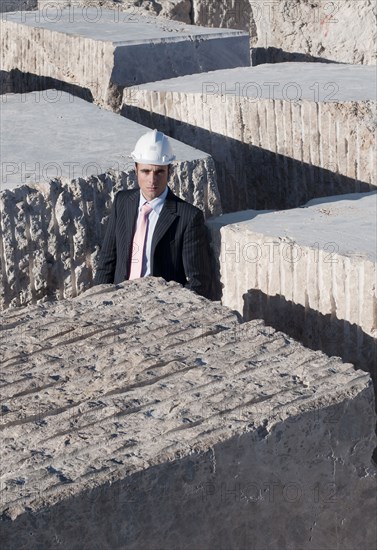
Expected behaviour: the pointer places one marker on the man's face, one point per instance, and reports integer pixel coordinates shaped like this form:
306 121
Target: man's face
152 179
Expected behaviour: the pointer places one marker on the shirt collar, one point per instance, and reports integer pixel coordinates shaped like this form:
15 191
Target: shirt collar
156 203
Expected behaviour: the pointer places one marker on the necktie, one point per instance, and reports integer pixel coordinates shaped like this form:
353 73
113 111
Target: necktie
138 243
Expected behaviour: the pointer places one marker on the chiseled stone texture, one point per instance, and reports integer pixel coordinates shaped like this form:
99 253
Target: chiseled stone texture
298 29
104 51
62 161
343 31
280 134
176 10
144 416
311 270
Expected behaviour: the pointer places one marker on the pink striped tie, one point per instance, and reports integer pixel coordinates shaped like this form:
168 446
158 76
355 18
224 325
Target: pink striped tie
138 244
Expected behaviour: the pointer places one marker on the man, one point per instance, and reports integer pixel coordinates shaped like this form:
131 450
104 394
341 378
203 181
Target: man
151 231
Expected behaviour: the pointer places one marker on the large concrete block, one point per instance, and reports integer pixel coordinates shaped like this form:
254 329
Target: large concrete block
143 416
284 30
310 270
62 161
279 134
104 51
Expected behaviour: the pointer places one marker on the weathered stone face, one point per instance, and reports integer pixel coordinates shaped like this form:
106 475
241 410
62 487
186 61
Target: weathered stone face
280 134
176 10
63 160
144 416
17 5
289 30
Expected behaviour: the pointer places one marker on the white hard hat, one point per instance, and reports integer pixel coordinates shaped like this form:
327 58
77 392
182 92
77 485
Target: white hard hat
153 148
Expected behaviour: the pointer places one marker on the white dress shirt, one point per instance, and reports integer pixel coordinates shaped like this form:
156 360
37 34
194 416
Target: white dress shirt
156 205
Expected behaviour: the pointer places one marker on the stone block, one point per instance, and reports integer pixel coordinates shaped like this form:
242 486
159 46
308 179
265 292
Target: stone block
297 30
103 51
144 416
284 30
62 161
294 30
311 270
280 134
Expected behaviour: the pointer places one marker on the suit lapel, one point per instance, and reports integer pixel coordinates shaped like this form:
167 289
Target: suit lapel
165 219
131 207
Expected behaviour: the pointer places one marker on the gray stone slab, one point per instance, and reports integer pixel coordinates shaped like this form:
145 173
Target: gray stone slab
83 21
311 270
62 160
285 30
105 50
280 134
319 82
144 416
350 220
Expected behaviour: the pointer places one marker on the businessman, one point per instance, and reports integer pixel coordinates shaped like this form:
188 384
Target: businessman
153 232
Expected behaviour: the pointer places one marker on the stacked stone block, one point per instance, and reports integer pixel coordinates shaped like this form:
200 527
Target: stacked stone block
103 51
284 30
144 416
310 270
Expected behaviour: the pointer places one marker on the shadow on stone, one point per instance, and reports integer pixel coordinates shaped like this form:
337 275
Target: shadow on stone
260 56
218 498
18 82
248 176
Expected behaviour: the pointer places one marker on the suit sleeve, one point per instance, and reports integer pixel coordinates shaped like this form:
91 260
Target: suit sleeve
107 258
196 257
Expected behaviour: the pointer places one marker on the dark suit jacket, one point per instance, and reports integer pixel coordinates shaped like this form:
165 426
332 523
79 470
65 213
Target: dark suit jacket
179 250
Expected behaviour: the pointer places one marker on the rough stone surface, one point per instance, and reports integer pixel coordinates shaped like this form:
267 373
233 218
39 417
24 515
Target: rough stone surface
143 416
176 10
294 30
279 134
311 270
342 31
62 161
103 51
17 5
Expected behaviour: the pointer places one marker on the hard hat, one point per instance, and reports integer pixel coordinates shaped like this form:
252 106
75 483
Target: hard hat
153 148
